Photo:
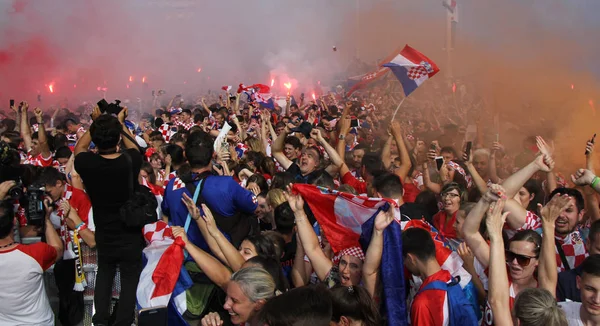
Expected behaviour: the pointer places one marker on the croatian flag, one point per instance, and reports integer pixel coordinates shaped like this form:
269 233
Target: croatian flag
412 68
345 218
340 214
163 281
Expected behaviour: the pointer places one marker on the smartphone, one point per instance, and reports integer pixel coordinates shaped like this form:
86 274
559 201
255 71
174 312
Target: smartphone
439 161
174 129
156 316
468 151
12 103
593 140
354 123
433 147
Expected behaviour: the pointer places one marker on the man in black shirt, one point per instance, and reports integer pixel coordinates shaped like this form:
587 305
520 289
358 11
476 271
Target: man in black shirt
307 169
108 178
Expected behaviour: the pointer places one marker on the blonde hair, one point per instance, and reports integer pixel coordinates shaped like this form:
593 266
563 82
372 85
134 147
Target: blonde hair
537 307
275 197
254 144
255 282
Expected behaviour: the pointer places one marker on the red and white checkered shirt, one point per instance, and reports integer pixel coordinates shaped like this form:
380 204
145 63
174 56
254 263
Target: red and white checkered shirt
572 244
38 160
186 126
165 130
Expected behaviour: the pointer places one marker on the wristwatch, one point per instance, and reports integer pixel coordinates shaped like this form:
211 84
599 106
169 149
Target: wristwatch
342 136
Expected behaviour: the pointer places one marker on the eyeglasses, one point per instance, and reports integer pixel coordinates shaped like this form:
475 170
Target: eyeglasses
522 260
450 194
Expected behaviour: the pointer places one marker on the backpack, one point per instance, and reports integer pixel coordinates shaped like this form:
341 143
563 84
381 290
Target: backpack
460 308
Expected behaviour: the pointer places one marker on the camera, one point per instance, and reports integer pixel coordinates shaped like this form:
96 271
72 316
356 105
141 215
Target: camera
33 203
112 108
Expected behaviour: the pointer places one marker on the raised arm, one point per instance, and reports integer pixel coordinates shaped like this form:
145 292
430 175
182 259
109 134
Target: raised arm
498 296
86 234
42 137
299 275
429 184
386 153
25 127
547 268
518 214
470 230
405 163
336 160
277 149
215 271
230 254
584 178
83 143
370 268
129 144
321 264
479 182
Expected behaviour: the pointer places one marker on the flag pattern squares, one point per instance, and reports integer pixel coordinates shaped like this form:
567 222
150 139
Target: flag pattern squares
412 69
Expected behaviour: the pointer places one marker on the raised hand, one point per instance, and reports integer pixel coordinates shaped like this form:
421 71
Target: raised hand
168 160
316 135
123 115
191 206
589 147
544 162
383 219
554 208
39 115
495 192
295 200
465 253
95 113
254 189
495 219
583 177
544 147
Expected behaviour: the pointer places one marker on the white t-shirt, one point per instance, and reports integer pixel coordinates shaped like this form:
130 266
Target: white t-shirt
572 312
22 292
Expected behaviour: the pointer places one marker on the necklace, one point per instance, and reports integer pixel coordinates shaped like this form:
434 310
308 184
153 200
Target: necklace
8 245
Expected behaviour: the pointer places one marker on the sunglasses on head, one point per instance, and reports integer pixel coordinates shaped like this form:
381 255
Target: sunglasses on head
522 260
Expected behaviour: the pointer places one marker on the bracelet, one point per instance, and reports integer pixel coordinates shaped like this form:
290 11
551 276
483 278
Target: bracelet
82 226
79 225
595 181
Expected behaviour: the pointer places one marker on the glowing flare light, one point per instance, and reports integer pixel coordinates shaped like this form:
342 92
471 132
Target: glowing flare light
314 97
51 88
287 85
130 79
144 79
272 82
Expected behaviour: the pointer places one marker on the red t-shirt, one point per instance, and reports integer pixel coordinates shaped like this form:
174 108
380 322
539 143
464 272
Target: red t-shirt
430 307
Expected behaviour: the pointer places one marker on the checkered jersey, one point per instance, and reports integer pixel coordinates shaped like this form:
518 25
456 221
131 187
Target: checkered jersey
186 126
572 244
165 130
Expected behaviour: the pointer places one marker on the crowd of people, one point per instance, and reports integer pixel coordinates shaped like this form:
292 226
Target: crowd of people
491 233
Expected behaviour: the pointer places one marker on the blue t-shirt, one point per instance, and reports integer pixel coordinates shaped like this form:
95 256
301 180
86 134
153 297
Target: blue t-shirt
221 194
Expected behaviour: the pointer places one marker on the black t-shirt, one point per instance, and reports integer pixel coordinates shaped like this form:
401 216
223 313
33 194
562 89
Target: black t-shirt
412 211
107 183
287 261
294 169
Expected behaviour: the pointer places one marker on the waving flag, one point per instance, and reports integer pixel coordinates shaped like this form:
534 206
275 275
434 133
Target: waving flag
340 214
412 68
163 282
226 88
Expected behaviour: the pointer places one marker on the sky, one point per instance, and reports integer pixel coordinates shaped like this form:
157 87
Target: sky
78 47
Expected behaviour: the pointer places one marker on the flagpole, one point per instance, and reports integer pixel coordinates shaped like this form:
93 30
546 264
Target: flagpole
398 107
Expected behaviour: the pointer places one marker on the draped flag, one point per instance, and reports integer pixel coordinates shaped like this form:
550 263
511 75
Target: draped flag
412 68
340 214
163 281
357 82
158 192
391 270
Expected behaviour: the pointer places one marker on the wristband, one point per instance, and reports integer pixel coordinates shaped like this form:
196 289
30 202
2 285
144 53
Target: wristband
595 181
79 225
82 226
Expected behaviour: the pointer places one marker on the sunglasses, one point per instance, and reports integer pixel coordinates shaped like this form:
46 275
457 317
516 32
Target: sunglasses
522 260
